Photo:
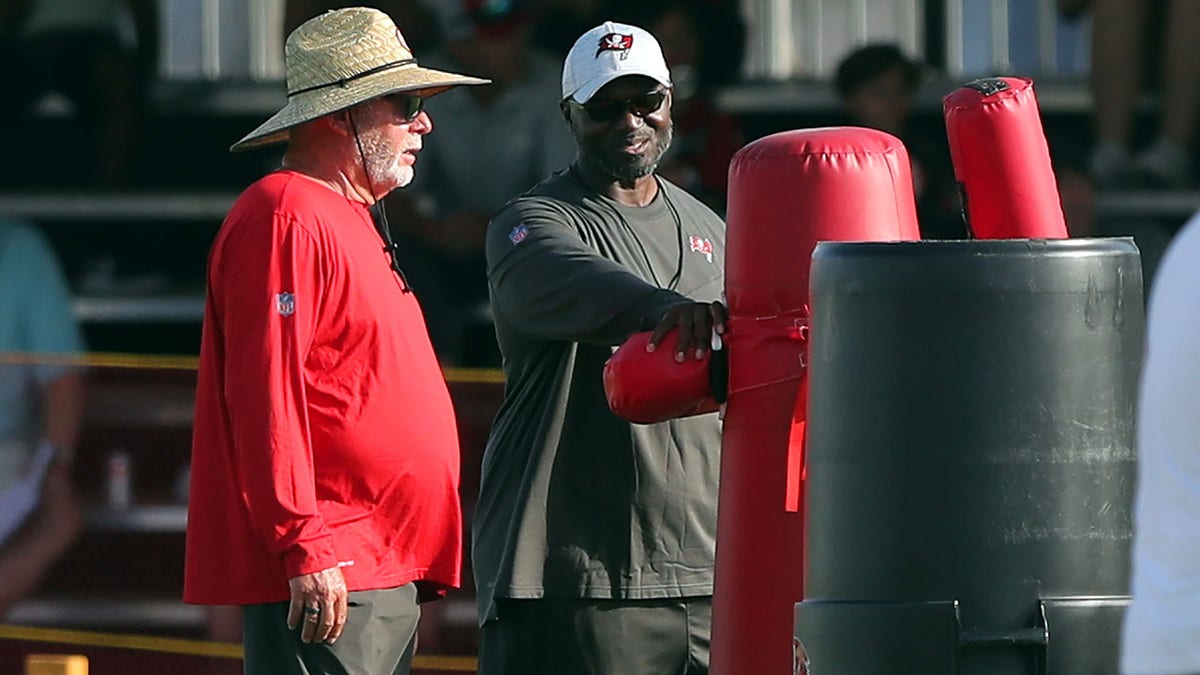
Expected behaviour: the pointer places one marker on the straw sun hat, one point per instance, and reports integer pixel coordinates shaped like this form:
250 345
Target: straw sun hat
340 59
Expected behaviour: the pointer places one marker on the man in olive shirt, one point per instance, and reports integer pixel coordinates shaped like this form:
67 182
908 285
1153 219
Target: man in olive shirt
594 539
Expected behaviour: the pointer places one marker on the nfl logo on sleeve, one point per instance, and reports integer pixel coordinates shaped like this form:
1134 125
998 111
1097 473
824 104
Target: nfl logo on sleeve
285 304
518 234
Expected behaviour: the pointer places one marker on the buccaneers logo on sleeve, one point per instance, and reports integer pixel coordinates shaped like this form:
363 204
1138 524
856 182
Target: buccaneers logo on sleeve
615 42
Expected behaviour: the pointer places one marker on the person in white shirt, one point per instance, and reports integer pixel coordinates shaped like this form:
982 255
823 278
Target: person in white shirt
1162 627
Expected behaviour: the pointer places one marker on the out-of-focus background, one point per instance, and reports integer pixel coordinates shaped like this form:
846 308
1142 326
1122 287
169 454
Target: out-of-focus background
118 115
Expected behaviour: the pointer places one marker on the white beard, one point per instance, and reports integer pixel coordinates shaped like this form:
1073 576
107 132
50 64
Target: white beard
383 165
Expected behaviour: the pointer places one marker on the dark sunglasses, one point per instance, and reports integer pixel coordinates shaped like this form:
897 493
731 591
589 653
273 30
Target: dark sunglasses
406 105
607 110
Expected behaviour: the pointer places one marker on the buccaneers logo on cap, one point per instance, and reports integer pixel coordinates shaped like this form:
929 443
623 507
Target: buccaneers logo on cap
615 42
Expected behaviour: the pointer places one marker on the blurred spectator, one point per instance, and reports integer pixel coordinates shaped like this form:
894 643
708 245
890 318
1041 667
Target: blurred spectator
876 84
49 532
100 56
41 405
705 138
489 144
559 22
1078 197
720 31
1122 34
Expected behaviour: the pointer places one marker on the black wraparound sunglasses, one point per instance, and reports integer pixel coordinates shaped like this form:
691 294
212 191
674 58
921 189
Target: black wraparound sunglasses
607 110
406 105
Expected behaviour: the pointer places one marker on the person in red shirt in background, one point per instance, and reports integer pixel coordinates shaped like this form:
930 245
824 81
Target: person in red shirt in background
325 461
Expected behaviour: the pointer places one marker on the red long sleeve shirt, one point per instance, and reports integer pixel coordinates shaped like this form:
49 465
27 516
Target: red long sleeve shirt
324 433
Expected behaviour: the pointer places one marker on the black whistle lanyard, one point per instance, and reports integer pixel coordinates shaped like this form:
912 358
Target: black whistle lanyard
379 218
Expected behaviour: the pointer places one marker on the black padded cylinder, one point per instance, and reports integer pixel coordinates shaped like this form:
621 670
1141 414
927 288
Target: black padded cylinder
970 458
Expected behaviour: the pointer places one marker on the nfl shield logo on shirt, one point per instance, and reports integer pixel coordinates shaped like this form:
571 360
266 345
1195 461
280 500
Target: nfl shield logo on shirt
518 234
285 304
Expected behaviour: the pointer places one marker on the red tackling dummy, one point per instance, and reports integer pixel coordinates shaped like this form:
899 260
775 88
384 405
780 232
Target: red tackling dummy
786 192
1002 162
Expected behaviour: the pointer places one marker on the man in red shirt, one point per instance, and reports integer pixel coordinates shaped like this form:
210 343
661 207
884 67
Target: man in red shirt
324 496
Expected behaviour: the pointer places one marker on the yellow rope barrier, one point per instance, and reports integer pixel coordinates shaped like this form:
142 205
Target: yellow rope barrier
474 375
167 362
229 650
122 641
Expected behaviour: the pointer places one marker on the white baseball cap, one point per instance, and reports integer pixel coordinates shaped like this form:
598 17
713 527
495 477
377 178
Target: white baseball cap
609 51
